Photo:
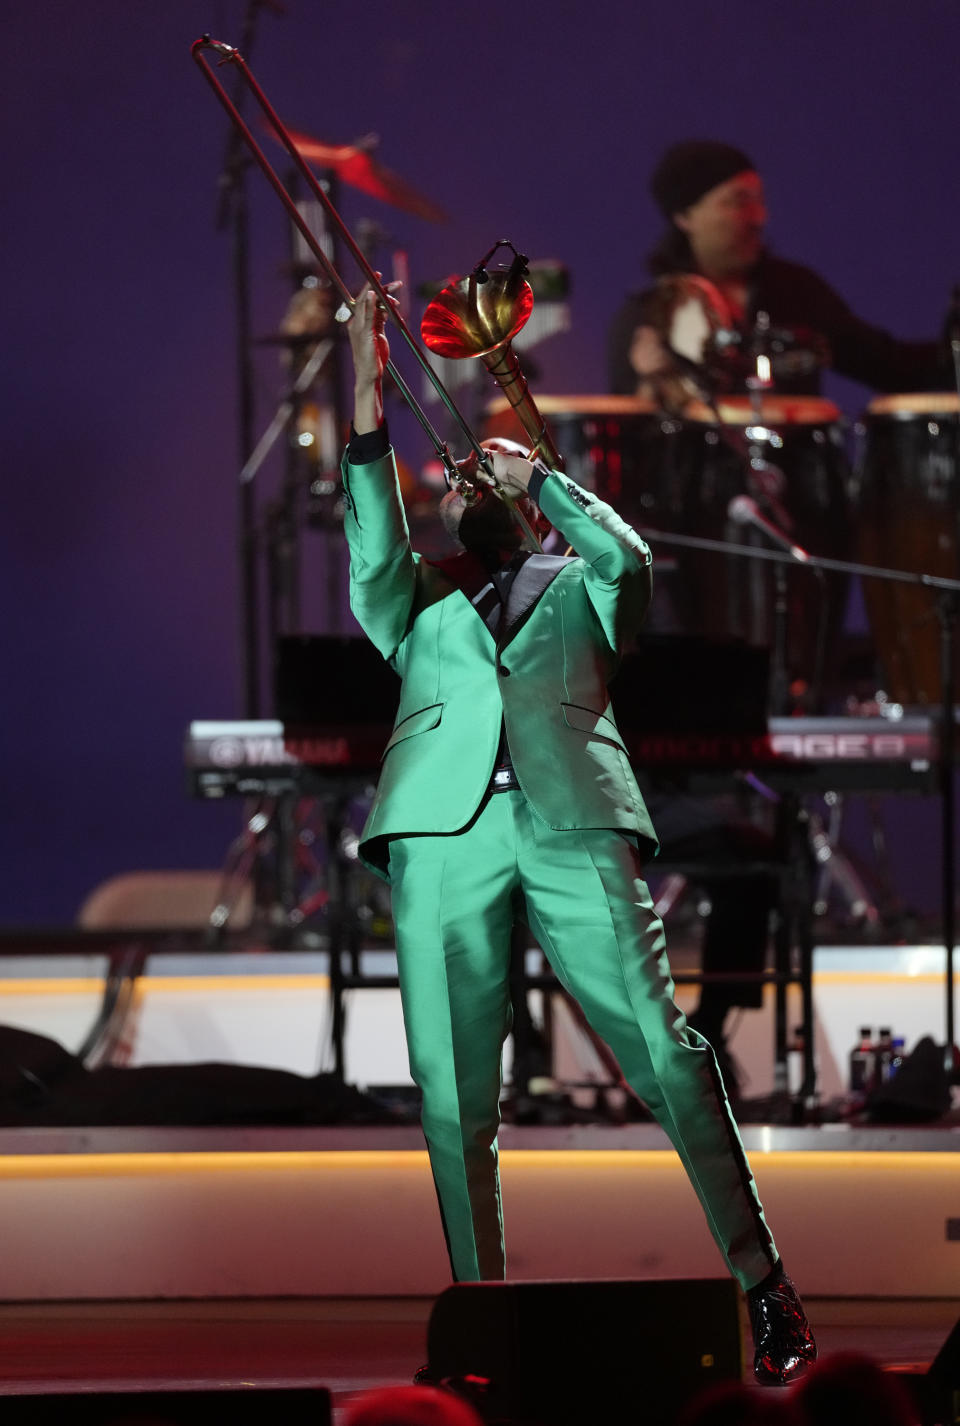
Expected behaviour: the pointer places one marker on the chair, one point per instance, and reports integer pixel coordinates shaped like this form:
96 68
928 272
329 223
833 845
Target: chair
137 905
161 900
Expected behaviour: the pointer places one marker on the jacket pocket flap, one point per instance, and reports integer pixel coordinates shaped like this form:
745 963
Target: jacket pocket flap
420 722
585 720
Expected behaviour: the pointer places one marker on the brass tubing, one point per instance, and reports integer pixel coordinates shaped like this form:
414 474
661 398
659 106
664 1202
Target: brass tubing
504 367
229 55
478 316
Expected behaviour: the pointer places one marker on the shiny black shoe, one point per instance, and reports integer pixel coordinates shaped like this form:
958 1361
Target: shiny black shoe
783 1345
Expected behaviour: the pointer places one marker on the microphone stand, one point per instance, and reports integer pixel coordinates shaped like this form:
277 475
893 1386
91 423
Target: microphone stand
948 604
760 382
751 458
232 209
778 689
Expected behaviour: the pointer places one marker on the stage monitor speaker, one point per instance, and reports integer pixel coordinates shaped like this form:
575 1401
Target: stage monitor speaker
240 1406
321 679
691 684
940 1390
558 1352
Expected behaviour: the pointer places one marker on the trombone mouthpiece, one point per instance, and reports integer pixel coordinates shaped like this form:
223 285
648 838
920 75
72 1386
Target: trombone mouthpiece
468 490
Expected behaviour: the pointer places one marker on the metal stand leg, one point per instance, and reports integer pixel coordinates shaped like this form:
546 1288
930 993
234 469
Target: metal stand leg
793 957
836 869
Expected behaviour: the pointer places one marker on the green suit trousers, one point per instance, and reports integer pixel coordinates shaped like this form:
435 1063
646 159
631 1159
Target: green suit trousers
455 899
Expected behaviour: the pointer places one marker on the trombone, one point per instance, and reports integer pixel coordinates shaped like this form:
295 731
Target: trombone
487 309
478 316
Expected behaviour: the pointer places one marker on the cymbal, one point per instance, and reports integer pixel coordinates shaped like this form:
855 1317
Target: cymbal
356 166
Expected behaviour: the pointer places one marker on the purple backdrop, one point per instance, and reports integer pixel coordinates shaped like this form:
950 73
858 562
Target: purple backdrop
118 565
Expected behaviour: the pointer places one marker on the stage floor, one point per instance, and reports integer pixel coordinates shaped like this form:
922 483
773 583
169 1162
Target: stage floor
346 1345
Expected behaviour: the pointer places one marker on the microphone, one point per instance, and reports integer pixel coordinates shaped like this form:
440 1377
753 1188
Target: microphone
744 511
517 271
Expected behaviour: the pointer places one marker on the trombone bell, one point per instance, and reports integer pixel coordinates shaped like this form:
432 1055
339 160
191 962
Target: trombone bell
470 318
478 316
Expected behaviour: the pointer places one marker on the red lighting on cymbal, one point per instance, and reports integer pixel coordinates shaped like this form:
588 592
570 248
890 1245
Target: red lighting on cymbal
355 165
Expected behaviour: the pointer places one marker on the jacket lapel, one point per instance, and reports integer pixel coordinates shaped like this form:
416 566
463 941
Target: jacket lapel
472 578
533 577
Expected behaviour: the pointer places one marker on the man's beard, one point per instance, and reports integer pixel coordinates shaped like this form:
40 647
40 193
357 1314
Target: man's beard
486 528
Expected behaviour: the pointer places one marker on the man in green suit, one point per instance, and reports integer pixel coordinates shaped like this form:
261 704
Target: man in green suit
506 793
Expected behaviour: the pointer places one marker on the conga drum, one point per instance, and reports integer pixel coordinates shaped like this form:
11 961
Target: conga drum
908 501
604 440
788 456
681 476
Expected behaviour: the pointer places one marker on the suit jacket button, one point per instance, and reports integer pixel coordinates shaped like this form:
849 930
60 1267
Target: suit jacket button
504 672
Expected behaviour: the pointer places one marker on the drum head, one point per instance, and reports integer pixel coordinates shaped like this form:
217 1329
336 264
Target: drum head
602 439
578 407
915 403
775 411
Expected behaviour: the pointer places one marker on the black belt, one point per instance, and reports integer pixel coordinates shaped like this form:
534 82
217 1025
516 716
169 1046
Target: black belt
504 779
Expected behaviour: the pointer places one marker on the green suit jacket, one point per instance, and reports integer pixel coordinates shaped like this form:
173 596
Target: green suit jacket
545 678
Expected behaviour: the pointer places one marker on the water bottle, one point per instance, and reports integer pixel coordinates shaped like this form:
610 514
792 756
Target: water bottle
862 1061
896 1059
882 1057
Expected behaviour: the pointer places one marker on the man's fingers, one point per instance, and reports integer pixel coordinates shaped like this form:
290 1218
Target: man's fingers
368 305
510 470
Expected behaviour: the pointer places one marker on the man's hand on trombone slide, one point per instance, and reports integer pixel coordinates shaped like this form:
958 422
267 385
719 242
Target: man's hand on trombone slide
371 352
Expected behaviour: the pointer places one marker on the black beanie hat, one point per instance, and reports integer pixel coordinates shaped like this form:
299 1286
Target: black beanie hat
689 170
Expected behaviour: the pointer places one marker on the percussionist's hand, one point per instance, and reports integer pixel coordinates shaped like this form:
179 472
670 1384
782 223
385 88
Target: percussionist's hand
371 352
658 374
648 353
